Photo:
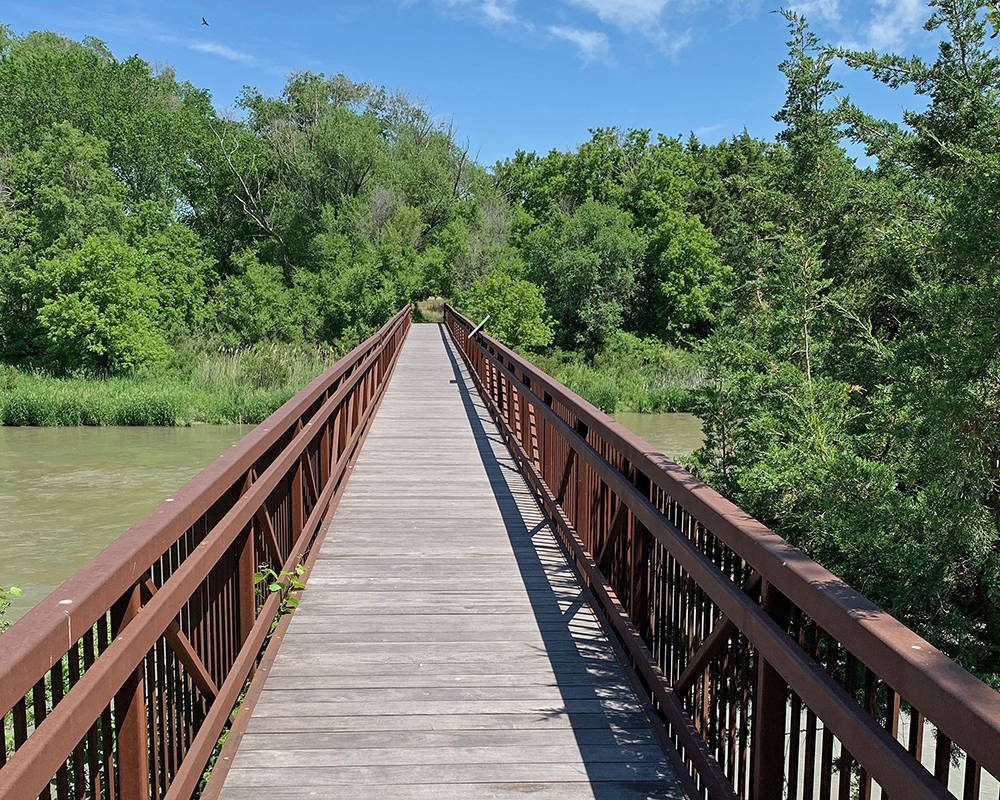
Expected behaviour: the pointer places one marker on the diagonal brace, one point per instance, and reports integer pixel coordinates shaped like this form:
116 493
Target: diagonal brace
184 650
714 642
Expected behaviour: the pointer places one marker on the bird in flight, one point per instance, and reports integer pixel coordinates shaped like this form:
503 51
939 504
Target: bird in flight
204 21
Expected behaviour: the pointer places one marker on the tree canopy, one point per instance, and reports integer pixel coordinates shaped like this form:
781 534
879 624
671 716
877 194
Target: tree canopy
847 317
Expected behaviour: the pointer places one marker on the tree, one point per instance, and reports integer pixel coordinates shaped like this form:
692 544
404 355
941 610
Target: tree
944 367
516 309
588 264
94 310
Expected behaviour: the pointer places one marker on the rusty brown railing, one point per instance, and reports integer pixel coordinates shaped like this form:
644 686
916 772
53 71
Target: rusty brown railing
119 684
772 677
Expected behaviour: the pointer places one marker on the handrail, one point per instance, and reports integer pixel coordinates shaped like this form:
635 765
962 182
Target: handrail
729 626
119 683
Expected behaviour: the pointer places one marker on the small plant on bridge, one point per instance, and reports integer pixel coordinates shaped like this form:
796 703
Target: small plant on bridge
5 595
267 580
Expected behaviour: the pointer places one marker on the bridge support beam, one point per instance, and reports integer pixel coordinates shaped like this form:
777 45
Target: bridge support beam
768 766
130 712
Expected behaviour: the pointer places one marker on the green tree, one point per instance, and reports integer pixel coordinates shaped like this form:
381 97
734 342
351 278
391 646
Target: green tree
588 264
516 308
943 362
94 310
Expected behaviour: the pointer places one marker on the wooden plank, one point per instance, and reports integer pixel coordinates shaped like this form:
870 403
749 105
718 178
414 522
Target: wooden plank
267 776
618 790
443 722
401 680
443 648
395 694
334 740
457 755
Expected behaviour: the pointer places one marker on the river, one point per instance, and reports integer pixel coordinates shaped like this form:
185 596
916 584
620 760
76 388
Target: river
674 435
66 493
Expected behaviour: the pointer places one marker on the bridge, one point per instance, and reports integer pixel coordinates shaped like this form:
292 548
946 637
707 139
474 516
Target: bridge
436 572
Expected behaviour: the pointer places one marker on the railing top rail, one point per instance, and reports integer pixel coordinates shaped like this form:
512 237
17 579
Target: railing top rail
60 619
961 705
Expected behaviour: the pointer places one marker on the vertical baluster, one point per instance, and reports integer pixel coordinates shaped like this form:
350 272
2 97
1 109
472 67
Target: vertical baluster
942 758
20 723
973 773
746 680
795 718
107 740
891 722
525 417
130 712
846 760
641 538
769 709
246 588
58 689
155 723
579 481
916 738
826 757
297 518
871 706
93 748
39 709
325 450
809 772
732 685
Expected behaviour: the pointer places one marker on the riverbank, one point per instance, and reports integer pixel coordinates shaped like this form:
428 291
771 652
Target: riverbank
632 374
220 387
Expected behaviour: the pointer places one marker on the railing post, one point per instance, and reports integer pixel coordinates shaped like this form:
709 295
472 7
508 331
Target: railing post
325 452
130 712
298 516
769 711
639 565
246 567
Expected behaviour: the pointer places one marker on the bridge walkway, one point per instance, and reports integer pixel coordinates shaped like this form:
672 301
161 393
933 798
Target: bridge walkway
442 648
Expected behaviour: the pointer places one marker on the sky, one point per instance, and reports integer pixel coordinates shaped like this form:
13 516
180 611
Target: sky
509 75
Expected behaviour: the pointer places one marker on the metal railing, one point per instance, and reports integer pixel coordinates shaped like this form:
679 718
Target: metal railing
772 677
119 684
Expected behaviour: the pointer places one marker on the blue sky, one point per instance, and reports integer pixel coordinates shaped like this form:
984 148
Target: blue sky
511 74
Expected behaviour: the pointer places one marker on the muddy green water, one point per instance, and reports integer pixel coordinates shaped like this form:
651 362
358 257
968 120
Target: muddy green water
66 493
674 435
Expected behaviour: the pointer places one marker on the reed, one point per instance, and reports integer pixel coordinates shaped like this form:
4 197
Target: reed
630 375
201 384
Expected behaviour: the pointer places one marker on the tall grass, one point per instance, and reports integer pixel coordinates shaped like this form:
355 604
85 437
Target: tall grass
630 374
200 384
429 310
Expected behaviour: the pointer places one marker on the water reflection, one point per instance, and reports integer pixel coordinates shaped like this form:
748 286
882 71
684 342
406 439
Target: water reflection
66 493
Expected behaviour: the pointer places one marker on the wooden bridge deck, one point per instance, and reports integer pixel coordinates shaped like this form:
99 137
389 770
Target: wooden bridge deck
442 648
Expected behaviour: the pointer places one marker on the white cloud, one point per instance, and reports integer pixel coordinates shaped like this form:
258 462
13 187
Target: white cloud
644 16
217 49
707 130
593 45
895 21
828 10
625 14
497 12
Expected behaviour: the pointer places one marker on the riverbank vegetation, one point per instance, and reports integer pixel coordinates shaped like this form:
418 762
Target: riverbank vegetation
836 325
5 595
204 383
